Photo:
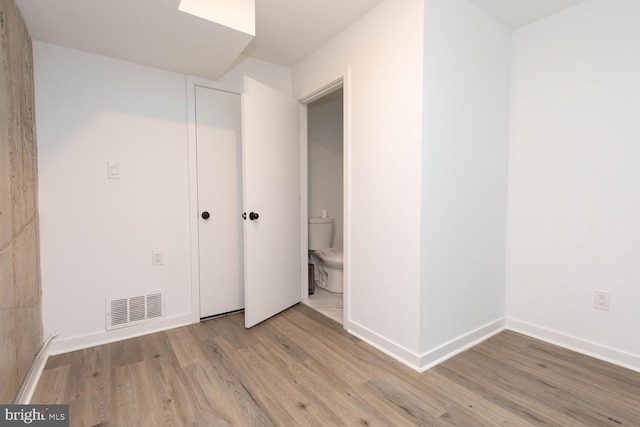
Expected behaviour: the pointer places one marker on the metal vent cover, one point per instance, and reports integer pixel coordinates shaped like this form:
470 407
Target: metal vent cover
155 306
133 310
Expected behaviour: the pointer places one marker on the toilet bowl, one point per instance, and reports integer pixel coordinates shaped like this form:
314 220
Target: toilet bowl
331 269
326 259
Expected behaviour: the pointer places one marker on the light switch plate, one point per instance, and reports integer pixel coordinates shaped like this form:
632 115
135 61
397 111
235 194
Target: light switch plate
113 170
157 257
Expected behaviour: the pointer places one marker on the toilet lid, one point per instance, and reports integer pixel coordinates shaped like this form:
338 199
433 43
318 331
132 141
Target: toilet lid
331 252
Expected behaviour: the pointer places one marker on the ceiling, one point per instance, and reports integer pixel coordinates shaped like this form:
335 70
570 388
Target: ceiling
518 13
156 33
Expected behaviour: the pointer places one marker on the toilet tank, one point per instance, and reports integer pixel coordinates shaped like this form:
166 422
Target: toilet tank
320 231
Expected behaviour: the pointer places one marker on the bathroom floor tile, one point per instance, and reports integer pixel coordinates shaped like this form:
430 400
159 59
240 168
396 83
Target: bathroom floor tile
327 303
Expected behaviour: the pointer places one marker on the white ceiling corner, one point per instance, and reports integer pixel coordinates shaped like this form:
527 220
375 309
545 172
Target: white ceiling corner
287 31
518 13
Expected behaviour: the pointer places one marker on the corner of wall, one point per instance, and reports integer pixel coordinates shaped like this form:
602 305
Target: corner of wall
385 345
456 346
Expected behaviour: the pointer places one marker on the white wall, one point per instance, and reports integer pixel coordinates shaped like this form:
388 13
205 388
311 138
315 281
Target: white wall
384 52
464 173
273 75
574 208
325 152
97 234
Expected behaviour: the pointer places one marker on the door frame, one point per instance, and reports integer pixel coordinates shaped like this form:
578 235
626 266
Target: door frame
344 81
191 84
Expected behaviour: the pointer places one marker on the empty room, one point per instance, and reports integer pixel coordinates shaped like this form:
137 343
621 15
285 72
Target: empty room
290 213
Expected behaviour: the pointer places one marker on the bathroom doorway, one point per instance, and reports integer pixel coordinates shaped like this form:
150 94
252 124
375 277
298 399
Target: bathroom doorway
325 198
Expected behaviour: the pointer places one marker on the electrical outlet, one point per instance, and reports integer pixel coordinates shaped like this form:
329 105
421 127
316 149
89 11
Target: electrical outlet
157 257
601 300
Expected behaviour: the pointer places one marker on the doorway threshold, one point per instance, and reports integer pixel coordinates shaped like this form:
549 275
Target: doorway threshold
326 303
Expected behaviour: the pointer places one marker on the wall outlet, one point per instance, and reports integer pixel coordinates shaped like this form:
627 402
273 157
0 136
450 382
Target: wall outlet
157 257
601 300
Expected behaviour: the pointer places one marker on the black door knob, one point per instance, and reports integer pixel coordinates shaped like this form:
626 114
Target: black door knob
253 216
205 215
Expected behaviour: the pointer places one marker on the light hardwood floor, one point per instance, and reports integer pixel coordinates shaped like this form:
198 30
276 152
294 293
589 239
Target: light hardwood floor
301 369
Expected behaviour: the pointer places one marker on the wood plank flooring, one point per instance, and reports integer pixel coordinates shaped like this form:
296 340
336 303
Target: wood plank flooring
301 369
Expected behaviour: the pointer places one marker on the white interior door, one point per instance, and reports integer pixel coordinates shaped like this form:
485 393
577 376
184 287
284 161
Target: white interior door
271 177
219 158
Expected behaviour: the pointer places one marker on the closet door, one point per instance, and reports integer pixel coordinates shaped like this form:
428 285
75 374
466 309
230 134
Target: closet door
219 159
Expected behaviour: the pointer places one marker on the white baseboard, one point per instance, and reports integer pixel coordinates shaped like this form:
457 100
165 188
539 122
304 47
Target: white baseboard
65 345
589 348
456 346
431 358
388 347
405 356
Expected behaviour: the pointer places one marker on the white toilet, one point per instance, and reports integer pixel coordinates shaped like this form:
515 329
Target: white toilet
328 260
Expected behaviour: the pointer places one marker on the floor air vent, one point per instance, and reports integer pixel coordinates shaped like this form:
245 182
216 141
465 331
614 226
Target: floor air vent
133 310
